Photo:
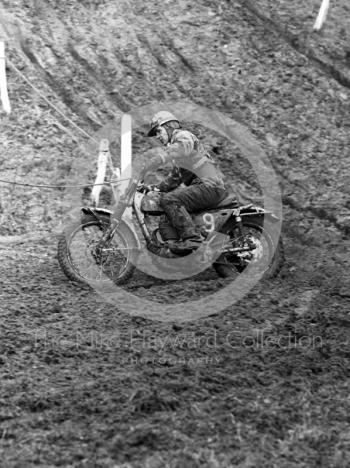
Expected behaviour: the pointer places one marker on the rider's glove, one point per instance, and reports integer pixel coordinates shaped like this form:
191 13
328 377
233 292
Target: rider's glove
153 188
147 188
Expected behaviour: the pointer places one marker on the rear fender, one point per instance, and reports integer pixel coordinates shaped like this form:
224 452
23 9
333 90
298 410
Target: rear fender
251 211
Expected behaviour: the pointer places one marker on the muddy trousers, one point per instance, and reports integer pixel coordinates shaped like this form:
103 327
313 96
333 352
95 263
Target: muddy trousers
177 205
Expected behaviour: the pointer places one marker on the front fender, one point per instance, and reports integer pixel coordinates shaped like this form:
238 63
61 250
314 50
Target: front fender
96 211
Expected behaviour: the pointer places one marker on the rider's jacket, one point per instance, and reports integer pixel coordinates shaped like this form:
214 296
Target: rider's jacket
191 163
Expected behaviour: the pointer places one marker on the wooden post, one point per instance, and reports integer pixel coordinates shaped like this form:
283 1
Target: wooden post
101 170
3 82
322 15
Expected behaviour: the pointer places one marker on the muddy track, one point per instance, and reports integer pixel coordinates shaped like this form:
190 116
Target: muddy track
300 43
264 382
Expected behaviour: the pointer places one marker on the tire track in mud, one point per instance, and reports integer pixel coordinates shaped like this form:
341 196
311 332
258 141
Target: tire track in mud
101 79
299 44
59 88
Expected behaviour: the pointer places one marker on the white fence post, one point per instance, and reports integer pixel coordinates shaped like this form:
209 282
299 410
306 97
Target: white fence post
126 155
322 15
114 186
3 82
101 170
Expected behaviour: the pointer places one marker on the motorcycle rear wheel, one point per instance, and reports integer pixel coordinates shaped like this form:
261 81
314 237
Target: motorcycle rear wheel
265 254
78 261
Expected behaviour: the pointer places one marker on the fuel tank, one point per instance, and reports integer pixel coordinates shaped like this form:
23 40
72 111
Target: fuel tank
150 204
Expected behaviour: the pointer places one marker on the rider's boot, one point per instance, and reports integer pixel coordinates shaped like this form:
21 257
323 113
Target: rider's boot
179 217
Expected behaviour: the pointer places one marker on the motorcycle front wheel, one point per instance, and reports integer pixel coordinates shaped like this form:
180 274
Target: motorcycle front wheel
263 254
78 257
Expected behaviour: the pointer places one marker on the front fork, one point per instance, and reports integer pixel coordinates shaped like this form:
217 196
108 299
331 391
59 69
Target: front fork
106 239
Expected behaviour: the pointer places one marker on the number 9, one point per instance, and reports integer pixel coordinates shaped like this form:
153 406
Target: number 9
209 222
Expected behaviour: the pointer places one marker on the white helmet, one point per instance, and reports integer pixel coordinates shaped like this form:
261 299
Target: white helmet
161 118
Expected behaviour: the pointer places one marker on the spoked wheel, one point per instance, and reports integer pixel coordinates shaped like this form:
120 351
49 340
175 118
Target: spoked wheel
262 253
82 260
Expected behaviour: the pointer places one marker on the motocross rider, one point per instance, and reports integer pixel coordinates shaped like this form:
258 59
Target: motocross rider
193 167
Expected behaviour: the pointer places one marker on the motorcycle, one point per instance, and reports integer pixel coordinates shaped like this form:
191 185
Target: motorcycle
103 245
